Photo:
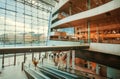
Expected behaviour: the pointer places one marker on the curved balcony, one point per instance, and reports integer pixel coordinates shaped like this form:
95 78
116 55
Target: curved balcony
83 16
59 5
77 6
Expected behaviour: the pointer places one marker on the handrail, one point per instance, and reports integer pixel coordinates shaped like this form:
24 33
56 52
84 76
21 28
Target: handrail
9 50
40 74
30 74
45 71
69 74
35 71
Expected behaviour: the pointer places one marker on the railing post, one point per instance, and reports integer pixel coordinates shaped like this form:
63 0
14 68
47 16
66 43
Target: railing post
24 57
73 60
3 61
39 55
22 66
15 59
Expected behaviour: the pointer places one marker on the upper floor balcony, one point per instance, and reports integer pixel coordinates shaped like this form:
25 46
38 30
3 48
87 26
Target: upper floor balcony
72 55
100 24
71 7
91 14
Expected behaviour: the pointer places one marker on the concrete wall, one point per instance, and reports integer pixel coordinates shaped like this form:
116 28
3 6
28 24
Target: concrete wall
106 48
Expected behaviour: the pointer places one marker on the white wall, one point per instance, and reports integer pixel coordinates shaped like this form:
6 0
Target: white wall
106 48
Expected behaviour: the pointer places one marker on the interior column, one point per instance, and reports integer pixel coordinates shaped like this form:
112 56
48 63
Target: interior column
73 60
68 60
88 22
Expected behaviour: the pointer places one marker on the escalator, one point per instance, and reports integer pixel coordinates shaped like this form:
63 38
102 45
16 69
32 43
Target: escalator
58 73
47 72
33 74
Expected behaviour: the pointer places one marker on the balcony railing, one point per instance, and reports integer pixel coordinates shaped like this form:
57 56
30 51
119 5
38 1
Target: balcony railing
39 49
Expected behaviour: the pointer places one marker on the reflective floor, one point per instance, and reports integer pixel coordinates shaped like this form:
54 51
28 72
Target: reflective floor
12 72
15 72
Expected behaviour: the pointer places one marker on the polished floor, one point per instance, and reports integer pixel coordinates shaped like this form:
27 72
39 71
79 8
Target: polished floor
15 72
12 72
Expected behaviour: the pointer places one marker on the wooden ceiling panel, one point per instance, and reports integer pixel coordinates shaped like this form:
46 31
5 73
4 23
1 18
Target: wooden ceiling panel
81 5
105 21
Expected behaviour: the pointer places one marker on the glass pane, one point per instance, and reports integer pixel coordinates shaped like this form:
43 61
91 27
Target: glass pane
20 22
2 5
9 61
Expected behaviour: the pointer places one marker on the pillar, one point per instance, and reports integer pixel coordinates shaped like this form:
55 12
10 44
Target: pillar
88 21
70 9
88 4
73 60
68 60
97 30
88 26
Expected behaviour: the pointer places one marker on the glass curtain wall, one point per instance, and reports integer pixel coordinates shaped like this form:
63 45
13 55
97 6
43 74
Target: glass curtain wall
23 22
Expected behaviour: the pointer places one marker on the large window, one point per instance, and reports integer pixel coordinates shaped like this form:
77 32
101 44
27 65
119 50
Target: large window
23 22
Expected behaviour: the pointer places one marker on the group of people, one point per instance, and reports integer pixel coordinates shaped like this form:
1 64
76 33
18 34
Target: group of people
59 59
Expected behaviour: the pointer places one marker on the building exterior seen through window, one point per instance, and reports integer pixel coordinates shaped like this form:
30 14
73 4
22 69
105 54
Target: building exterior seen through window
23 23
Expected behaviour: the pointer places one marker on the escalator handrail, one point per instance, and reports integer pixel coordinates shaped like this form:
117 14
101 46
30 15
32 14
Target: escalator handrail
62 72
42 75
53 72
30 74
